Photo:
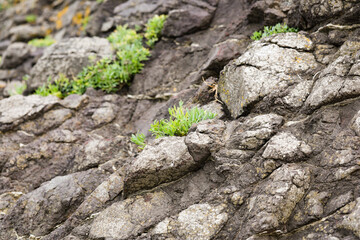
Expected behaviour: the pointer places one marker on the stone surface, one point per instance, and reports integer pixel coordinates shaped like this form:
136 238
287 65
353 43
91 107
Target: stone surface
283 166
285 146
118 222
262 70
40 211
15 55
200 221
165 161
17 109
187 20
68 57
273 201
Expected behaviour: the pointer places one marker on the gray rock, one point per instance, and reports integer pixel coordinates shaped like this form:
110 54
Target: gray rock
352 221
254 132
332 88
298 94
356 123
129 217
39 211
68 57
74 101
26 32
168 159
199 221
262 70
187 20
15 55
17 109
292 40
104 193
275 199
315 202
285 146
104 114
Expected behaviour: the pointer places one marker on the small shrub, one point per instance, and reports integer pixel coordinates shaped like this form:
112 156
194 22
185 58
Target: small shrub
139 139
42 42
180 121
178 125
31 18
107 74
60 88
278 28
153 29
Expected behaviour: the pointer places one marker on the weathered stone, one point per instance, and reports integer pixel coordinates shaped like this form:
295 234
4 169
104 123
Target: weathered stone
26 32
352 221
15 55
274 200
285 146
41 210
104 114
49 121
292 40
199 221
104 193
186 20
315 202
356 124
17 109
253 133
261 70
74 101
298 94
67 57
129 217
166 160
332 88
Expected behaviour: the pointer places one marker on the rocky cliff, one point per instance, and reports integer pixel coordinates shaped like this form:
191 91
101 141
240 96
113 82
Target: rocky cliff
280 161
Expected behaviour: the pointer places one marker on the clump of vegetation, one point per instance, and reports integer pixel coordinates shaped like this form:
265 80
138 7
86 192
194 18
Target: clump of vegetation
107 74
139 139
42 42
59 88
177 125
19 89
153 29
278 28
31 18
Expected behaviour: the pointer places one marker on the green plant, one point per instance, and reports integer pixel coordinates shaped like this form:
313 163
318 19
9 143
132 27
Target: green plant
60 88
139 139
153 29
180 121
31 18
107 74
278 28
19 89
178 124
42 42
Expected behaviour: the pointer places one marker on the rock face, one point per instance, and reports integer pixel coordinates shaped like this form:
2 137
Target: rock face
280 160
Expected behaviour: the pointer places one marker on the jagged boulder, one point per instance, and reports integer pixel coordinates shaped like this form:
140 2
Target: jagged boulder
266 69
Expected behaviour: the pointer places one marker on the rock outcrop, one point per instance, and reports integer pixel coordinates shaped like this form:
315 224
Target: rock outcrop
280 161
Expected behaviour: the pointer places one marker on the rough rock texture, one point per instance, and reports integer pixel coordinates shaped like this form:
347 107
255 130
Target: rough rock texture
68 58
280 161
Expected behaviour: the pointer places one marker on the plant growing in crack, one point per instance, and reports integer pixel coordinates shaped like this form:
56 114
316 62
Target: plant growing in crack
270 30
178 124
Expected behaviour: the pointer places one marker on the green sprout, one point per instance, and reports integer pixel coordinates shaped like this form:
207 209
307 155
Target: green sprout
278 28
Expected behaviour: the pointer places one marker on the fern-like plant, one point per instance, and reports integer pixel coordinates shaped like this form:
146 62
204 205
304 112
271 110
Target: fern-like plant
278 28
